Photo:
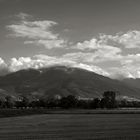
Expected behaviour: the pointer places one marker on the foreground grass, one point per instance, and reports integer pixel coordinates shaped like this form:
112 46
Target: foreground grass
25 112
71 127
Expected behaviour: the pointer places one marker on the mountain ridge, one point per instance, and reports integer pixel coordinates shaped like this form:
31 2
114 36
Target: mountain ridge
63 81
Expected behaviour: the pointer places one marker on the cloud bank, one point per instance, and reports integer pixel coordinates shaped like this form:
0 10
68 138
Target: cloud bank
41 61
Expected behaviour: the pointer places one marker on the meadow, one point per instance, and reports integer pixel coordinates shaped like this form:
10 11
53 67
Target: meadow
71 126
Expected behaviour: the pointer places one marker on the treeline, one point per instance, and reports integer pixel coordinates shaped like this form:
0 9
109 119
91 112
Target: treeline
108 101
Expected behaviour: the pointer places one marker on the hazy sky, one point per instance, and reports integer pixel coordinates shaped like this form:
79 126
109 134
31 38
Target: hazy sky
99 35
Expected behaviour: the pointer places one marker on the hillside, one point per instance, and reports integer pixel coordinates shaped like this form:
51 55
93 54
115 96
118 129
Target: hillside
61 80
132 82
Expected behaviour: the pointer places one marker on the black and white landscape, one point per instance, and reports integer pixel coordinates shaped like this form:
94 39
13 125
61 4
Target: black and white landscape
69 69
64 81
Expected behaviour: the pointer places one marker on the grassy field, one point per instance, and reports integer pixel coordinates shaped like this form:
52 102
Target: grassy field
24 112
71 127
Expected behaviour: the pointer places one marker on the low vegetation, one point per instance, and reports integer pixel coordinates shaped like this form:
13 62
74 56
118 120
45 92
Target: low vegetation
71 127
107 101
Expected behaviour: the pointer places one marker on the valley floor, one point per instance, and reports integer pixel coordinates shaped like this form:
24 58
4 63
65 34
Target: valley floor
71 127
25 112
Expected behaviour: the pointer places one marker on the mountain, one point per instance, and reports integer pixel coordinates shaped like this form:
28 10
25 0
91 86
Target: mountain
62 81
135 83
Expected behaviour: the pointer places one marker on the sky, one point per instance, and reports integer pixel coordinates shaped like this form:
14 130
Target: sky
102 36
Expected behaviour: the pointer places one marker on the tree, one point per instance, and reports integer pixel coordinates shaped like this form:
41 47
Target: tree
2 103
23 102
108 100
52 102
68 102
83 104
9 101
95 103
35 103
103 103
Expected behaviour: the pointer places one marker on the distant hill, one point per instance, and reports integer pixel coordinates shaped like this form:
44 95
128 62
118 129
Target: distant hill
63 81
135 83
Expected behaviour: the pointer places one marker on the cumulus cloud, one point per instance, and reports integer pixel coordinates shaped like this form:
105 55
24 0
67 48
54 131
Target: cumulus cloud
131 63
106 48
92 44
69 62
3 67
99 49
36 32
107 53
2 62
129 40
128 69
40 61
100 54
120 73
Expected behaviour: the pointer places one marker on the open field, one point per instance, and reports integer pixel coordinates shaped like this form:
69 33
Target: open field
71 127
25 112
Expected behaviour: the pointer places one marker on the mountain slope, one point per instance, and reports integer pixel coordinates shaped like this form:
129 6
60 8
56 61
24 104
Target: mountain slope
132 82
61 80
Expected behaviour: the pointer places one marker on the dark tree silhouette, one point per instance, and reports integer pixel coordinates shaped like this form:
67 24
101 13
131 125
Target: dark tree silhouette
68 102
83 104
52 102
23 102
103 103
95 103
2 103
35 103
108 100
9 102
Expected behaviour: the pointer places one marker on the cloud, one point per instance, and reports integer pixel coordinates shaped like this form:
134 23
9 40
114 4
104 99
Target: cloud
49 44
98 50
3 67
23 16
106 48
40 61
120 73
92 68
129 65
33 30
91 54
107 53
37 61
103 53
92 44
71 62
2 63
21 63
36 32
128 68
129 40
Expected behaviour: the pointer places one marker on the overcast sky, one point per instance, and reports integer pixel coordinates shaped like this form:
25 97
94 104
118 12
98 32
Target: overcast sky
99 35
